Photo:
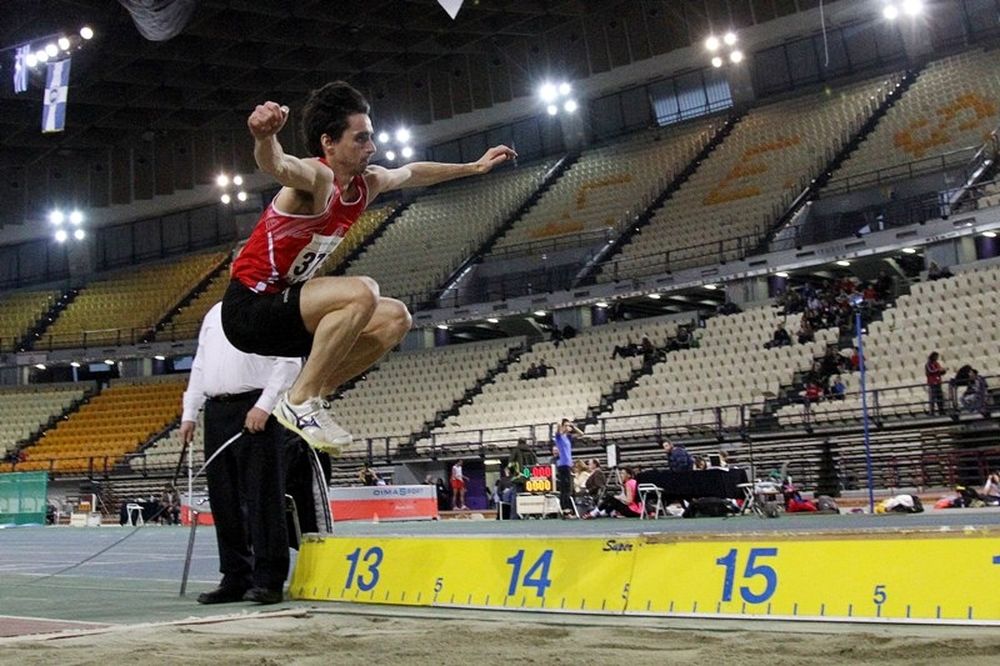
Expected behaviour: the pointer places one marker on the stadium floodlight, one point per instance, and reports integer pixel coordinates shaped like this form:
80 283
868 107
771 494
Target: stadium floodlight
492 320
730 38
52 50
40 366
843 263
241 195
552 109
565 88
909 250
570 106
74 364
225 198
712 43
76 218
222 180
781 274
61 236
990 234
406 152
711 287
41 56
403 135
443 327
63 43
30 60
890 12
383 137
913 7
655 297
540 313
160 357
736 57
79 234
237 180
716 62
86 32
548 92
390 155
601 304
109 361
56 217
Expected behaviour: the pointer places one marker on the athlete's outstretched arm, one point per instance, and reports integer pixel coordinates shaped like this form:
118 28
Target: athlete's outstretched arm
422 174
265 122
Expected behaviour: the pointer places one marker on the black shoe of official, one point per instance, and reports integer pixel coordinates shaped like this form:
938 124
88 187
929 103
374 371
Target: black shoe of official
263 595
222 595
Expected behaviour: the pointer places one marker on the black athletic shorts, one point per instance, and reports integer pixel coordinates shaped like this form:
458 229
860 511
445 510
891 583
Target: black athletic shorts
265 324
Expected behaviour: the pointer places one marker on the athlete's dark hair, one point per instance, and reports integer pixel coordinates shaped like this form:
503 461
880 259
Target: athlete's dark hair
326 112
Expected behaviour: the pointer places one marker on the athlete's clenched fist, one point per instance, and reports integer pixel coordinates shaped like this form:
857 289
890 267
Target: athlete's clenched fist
267 119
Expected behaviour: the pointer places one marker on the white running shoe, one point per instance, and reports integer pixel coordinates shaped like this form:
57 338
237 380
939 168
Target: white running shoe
313 422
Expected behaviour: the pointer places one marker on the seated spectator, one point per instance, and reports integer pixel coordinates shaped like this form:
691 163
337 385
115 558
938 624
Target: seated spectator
976 393
935 272
854 363
678 459
729 308
682 340
543 369
813 392
781 338
805 334
830 364
626 350
568 332
597 481
625 505
837 389
368 476
700 463
531 372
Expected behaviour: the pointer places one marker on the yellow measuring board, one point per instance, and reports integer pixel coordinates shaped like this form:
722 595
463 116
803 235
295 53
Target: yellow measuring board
947 577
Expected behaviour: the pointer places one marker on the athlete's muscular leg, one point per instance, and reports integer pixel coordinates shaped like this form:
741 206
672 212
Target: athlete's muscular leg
387 327
335 310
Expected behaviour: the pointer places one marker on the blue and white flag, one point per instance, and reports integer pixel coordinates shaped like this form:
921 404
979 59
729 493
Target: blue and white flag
21 68
56 93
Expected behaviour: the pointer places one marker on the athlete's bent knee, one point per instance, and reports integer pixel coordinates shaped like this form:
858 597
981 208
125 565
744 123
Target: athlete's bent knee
365 293
398 316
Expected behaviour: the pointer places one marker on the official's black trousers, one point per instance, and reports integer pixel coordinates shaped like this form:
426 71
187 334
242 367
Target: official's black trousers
247 491
564 479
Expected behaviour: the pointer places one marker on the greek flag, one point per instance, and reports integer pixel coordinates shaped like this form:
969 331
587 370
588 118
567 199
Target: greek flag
21 68
56 93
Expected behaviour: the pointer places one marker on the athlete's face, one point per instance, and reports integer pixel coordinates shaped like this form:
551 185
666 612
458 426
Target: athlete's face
356 146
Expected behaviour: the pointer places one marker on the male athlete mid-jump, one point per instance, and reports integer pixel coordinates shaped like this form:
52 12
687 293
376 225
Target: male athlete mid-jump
274 306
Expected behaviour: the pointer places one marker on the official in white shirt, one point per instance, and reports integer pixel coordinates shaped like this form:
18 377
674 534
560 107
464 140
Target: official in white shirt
238 392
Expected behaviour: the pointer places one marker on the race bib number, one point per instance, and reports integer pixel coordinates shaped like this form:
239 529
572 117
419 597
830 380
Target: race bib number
311 257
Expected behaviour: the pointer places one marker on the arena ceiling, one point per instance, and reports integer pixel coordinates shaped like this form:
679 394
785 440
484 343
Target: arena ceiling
416 64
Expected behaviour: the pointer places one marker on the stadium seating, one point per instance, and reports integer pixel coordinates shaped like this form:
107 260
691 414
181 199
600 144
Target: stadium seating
19 312
410 388
730 367
598 189
584 371
121 309
442 228
367 224
953 104
955 317
735 196
24 410
113 423
164 452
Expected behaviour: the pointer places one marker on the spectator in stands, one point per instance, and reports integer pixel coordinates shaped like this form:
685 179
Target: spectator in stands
678 459
854 362
543 369
597 481
458 487
885 286
626 350
976 393
934 372
806 333
729 308
935 272
443 496
648 352
682 340
700 464
170 506
367 476
837 389
531 372
274 306
625 505
781 337
246 486
562 450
